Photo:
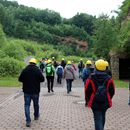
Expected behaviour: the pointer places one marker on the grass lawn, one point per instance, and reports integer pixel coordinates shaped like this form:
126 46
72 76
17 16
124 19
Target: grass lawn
9 82
121 83
13 82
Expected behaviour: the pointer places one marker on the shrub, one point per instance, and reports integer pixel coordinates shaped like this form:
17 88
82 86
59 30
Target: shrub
2 54
14 50
10 66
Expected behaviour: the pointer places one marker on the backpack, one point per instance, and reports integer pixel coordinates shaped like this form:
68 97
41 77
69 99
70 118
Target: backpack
59 71
101 93
49 70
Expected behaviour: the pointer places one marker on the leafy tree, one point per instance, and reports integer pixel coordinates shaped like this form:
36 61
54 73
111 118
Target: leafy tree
105 36
84 21
2 38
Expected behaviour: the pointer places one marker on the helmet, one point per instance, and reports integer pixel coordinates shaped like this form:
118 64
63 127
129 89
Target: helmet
33 60
53 57
81 59
107 64
49 61
69 62
89 62
62 58
100 65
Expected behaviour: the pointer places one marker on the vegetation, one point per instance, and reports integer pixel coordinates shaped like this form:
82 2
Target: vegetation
26 31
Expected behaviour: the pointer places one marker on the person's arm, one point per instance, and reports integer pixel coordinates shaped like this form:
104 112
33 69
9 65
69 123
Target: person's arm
21 76
111 88
88 90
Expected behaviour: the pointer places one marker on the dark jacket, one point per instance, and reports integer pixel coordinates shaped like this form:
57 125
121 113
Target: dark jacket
31 77
91 86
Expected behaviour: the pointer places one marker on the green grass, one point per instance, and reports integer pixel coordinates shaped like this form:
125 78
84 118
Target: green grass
13 82
9 82
121 83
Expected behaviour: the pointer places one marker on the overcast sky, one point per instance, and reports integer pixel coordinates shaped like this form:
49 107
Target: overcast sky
69 8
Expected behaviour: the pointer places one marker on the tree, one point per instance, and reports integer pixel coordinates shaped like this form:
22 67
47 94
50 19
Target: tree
2 37
105 36
84 21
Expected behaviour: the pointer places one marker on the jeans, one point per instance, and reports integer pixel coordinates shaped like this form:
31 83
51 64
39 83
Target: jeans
80 72
69 84
27 102
99 119
59 79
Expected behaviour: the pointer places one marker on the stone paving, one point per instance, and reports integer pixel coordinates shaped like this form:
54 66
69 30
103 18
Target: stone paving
62 111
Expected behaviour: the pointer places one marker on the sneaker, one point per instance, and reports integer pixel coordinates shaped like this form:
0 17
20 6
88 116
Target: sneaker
48 91
52 90
28 124
36 118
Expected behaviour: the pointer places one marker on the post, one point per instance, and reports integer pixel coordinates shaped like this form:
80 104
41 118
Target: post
129 93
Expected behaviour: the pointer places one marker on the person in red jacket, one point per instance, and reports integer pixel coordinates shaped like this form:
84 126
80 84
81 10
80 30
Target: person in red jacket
99 91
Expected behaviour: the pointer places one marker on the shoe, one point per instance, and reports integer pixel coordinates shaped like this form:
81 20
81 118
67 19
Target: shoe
28 124
36 118
52 90
48 91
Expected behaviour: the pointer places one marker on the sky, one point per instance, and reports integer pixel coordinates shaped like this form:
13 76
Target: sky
69 8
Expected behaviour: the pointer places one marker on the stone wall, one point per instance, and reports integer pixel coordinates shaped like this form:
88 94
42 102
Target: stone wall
115 66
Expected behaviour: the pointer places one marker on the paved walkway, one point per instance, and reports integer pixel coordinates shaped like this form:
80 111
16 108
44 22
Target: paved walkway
62 111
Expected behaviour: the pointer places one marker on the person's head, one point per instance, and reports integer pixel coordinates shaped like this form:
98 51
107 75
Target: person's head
49 61
32 61
88 63
69 63
100 65
62 59
53 58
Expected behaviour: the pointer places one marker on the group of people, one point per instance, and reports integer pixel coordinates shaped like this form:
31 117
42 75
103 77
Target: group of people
98 86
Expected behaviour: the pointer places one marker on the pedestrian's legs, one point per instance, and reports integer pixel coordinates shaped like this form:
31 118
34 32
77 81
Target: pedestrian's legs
27 101
79 72
71 80
58 78
48 83
36 105
98 119
52 82
68 85
103 116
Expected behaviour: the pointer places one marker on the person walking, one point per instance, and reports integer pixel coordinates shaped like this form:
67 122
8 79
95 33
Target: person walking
87 71
69 75
31 77
59 72
50 72
80 68
99 91
63 63
42 65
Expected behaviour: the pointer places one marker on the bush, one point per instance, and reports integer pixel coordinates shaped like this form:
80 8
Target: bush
14 50
2 54
10 66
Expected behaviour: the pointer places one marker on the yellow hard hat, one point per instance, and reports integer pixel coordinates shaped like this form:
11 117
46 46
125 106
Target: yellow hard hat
62 58
107 64
100 65
89 62
49 61
81 59
69 62
33 60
